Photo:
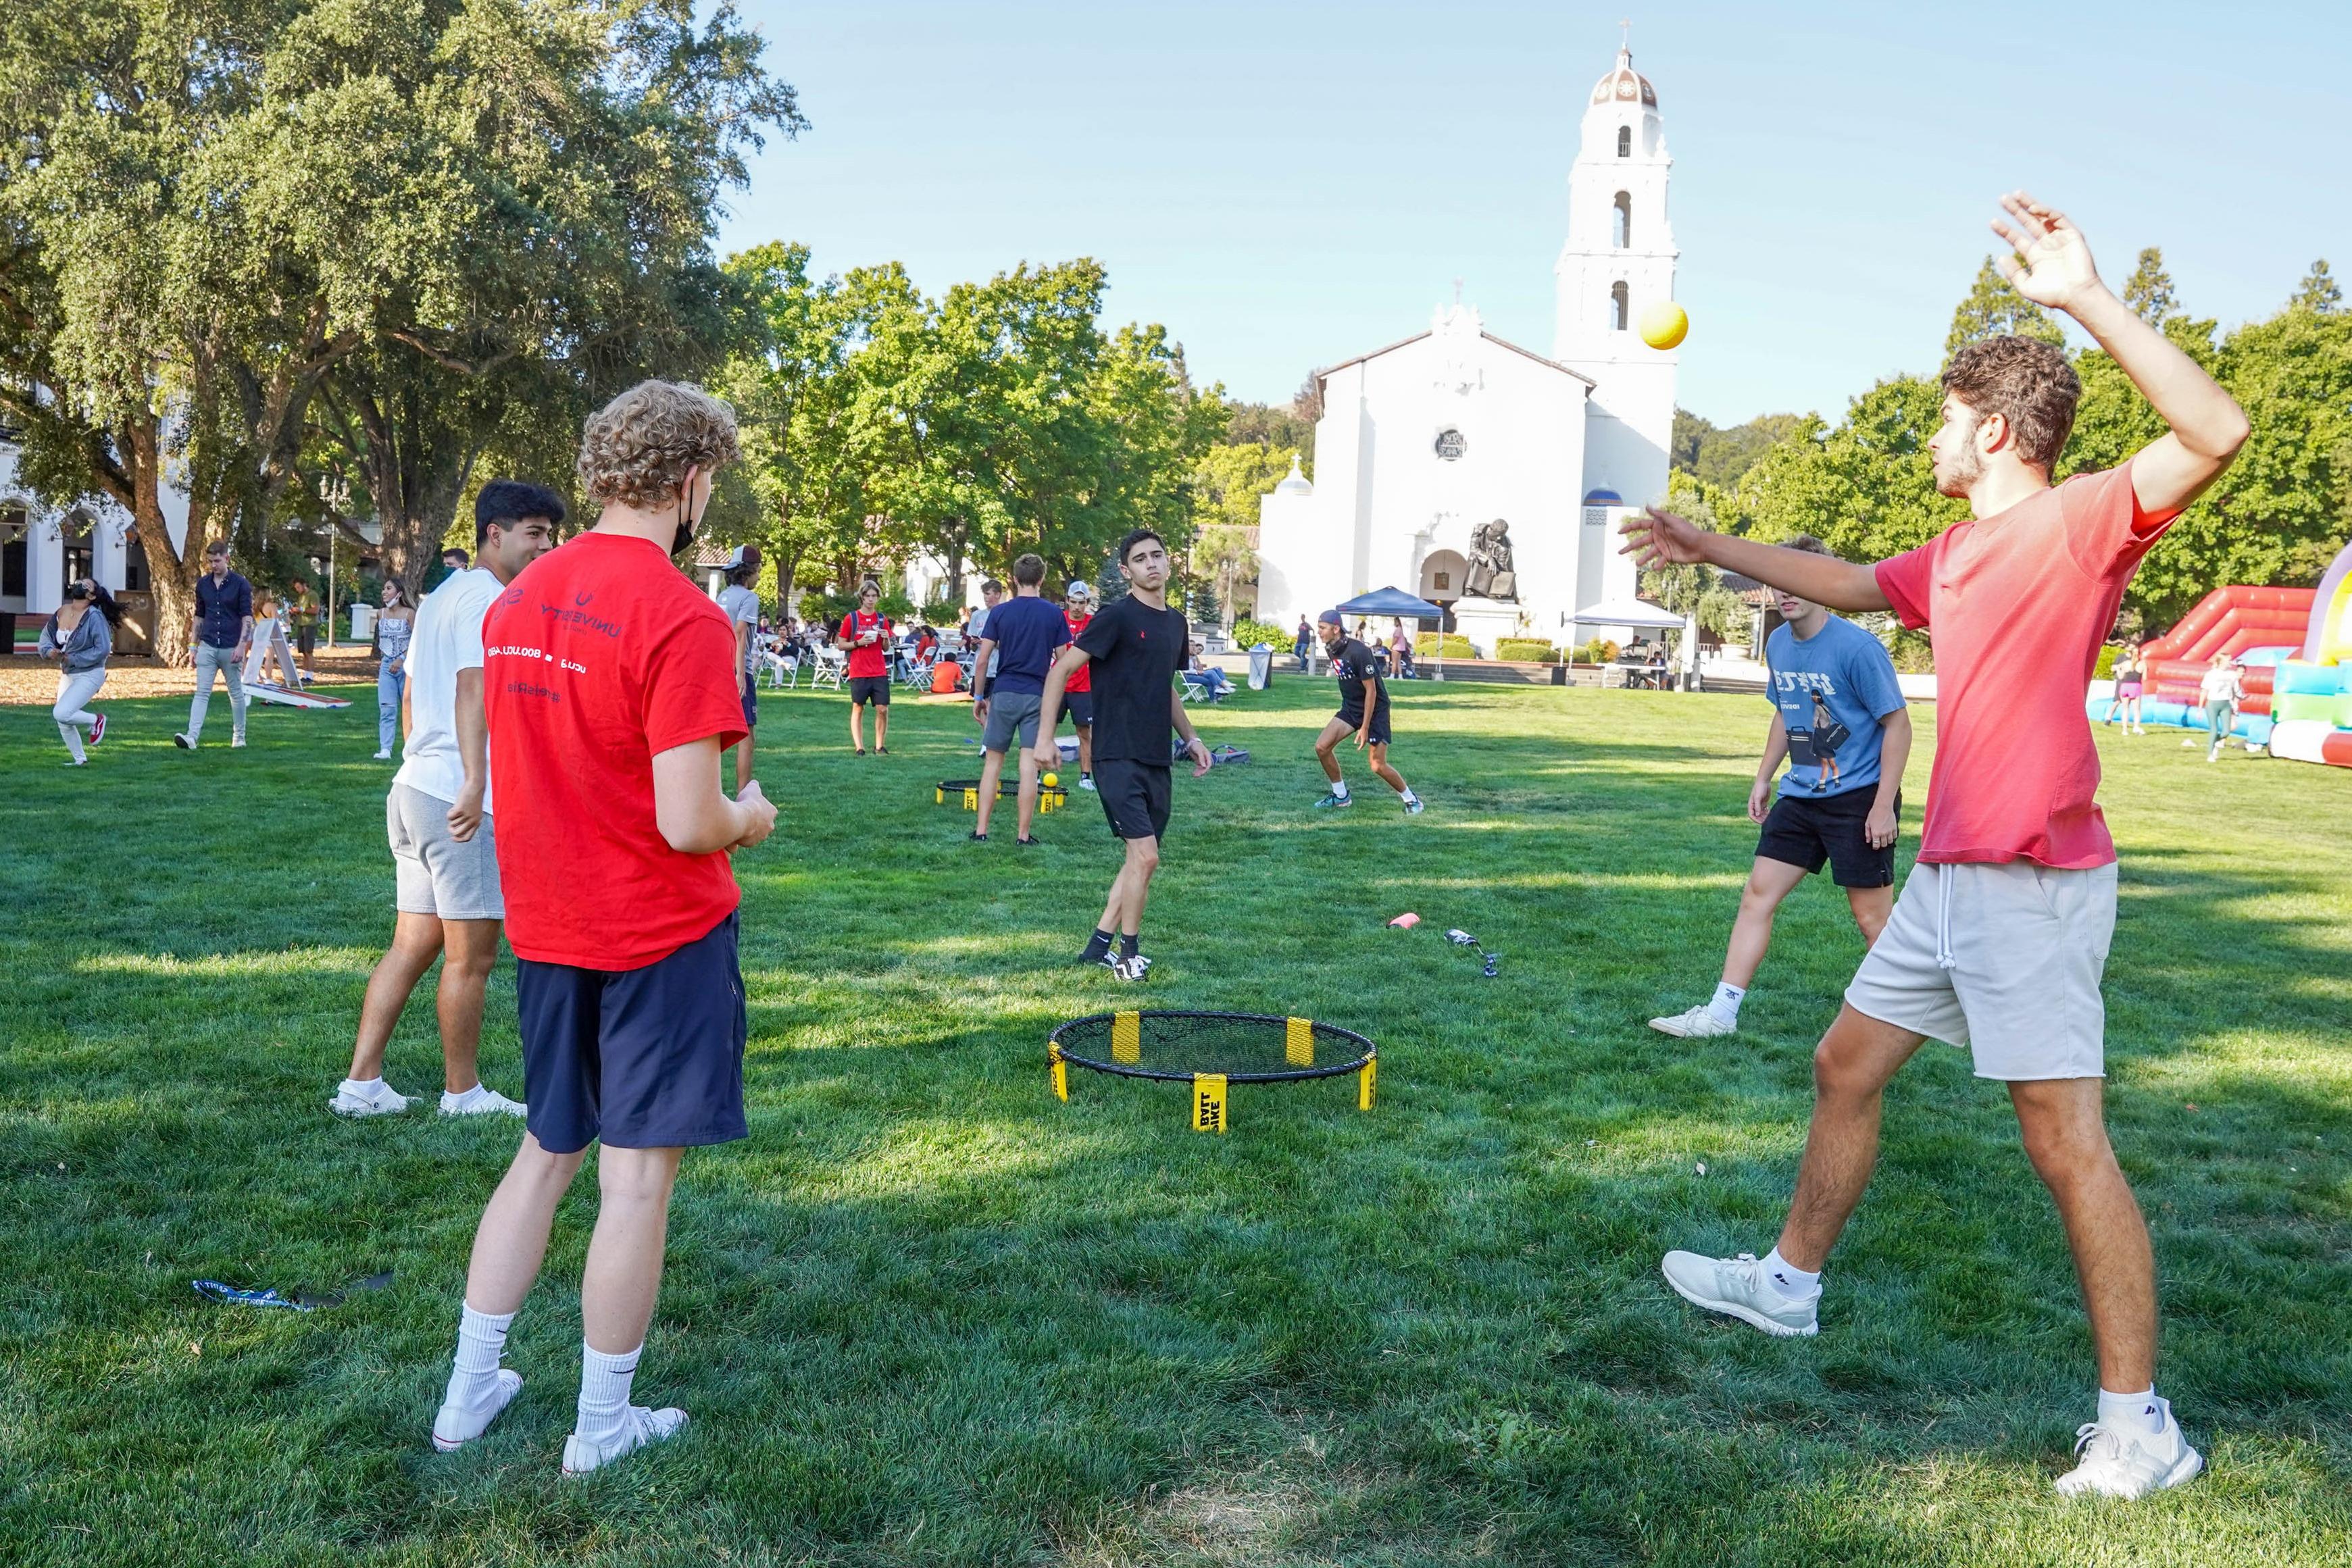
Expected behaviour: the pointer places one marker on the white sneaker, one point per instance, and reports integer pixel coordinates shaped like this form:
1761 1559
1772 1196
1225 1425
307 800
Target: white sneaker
383 755
640 1426
1130 968
2129 1464
459 1424
1737 1288
1700 1023
236 743
481 1100
1086 782
382 1103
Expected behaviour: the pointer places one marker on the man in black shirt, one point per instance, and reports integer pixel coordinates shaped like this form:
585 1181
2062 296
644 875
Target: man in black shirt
1133 649
1363 712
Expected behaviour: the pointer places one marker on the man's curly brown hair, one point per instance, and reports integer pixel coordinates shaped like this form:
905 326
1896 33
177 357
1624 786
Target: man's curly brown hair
635 450
2027 382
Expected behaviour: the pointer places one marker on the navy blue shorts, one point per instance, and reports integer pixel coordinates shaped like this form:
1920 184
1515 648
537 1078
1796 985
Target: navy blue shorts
643 1059
751 705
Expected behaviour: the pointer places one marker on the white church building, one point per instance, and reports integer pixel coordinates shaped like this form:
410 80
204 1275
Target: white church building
1425 447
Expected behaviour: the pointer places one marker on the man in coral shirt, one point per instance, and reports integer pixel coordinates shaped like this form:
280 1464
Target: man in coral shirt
610 682
2000 936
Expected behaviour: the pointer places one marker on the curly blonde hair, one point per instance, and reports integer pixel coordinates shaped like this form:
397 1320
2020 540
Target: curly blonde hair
635 450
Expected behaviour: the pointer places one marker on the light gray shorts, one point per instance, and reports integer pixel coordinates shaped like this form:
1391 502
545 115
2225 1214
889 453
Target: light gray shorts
2002 957
1011 712
432 874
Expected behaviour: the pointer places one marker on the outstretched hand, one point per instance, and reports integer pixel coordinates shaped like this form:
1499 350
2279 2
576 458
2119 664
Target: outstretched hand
1198 750
1658 539
2053 263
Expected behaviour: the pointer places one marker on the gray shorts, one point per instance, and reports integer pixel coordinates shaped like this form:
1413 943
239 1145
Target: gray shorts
432 874
2002 957
1011 712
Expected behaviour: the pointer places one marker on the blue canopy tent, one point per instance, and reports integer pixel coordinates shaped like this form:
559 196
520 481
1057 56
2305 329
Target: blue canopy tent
1398 602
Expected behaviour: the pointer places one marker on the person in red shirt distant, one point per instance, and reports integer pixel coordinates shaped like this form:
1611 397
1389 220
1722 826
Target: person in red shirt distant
2000 936
610 683
865 633
1078 692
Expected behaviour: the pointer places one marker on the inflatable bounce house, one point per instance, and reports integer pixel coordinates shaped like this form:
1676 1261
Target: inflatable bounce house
2295 647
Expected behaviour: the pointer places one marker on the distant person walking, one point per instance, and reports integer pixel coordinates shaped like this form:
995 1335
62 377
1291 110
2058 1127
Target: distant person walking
2131 676
303 624
224 632
740 601
80 636
394 625
448 903
2222 688
1302 646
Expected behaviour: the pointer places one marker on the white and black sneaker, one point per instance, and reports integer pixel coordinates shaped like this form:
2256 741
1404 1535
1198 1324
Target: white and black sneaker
1131 969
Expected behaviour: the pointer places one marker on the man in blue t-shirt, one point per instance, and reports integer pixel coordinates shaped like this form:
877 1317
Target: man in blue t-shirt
1838 717
1024 634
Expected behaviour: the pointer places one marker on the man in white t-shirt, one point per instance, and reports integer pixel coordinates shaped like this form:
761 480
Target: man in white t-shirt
446 901
742 602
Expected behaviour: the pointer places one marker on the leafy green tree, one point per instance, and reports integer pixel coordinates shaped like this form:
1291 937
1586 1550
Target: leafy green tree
1992 309
2148 290
2318 290
1722 457
1227 483
273 255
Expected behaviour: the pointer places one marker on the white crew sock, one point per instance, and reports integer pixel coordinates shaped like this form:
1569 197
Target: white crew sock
1405 793
1339 788
604 1390
1726 1005
481 1340
365 1088
1791 1282
2142 1412
460 1102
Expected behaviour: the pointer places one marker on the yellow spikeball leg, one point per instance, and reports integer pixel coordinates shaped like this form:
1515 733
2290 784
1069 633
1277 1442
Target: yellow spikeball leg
1665 324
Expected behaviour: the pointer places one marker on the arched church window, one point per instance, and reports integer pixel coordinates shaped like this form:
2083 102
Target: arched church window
1624 141
1619 303
1621 225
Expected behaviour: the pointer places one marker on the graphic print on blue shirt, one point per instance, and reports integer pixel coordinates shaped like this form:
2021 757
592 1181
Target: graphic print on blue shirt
1831 689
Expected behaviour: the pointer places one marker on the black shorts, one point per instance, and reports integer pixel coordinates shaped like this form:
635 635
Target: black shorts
1080 706
863 689
750 703
1134 796
643 1059
306 639
1353 718
1805 832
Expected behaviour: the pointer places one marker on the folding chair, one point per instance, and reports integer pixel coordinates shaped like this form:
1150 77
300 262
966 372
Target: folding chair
1196 690
830 663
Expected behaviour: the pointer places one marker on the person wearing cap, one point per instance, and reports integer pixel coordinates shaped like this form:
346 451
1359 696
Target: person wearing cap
1363 712
1078 694
740 601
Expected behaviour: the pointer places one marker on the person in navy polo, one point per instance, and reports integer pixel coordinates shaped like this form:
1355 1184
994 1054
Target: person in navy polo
224 630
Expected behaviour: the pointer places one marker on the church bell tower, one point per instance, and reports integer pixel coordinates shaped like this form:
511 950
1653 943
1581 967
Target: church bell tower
1619 258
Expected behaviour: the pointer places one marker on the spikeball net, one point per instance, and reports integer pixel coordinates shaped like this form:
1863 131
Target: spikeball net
1212 1052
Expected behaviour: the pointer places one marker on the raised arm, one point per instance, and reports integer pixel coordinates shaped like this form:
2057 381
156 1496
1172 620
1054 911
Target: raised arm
1657 538
2053 266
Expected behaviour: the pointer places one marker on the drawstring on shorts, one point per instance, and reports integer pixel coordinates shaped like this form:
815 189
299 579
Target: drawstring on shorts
1945 957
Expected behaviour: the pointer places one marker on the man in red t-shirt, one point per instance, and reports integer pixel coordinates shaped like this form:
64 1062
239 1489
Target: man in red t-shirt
610 685
865 634
1078 692
2000 936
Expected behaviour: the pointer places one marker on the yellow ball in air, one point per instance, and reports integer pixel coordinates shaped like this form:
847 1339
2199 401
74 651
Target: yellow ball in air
1051 780
1665 324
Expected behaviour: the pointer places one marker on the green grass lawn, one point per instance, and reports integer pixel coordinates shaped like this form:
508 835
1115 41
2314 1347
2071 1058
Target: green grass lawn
927 1313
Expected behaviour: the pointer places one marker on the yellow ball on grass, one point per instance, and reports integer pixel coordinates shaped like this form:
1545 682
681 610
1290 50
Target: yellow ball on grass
1665 324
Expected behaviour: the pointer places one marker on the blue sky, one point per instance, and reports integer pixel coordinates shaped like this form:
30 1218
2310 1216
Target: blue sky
1289 183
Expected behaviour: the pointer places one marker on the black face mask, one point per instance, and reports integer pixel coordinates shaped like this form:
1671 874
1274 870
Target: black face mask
685 535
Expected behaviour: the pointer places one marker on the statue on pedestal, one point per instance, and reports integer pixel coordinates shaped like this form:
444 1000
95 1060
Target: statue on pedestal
1490 574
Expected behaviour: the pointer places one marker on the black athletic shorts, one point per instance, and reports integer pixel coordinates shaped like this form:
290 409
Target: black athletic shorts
1353 718
643 1059
1807 832
863 689
1080 706
750 703
1134 796
306 639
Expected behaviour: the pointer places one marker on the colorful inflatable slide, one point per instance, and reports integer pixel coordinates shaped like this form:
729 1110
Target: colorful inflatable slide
2294 645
